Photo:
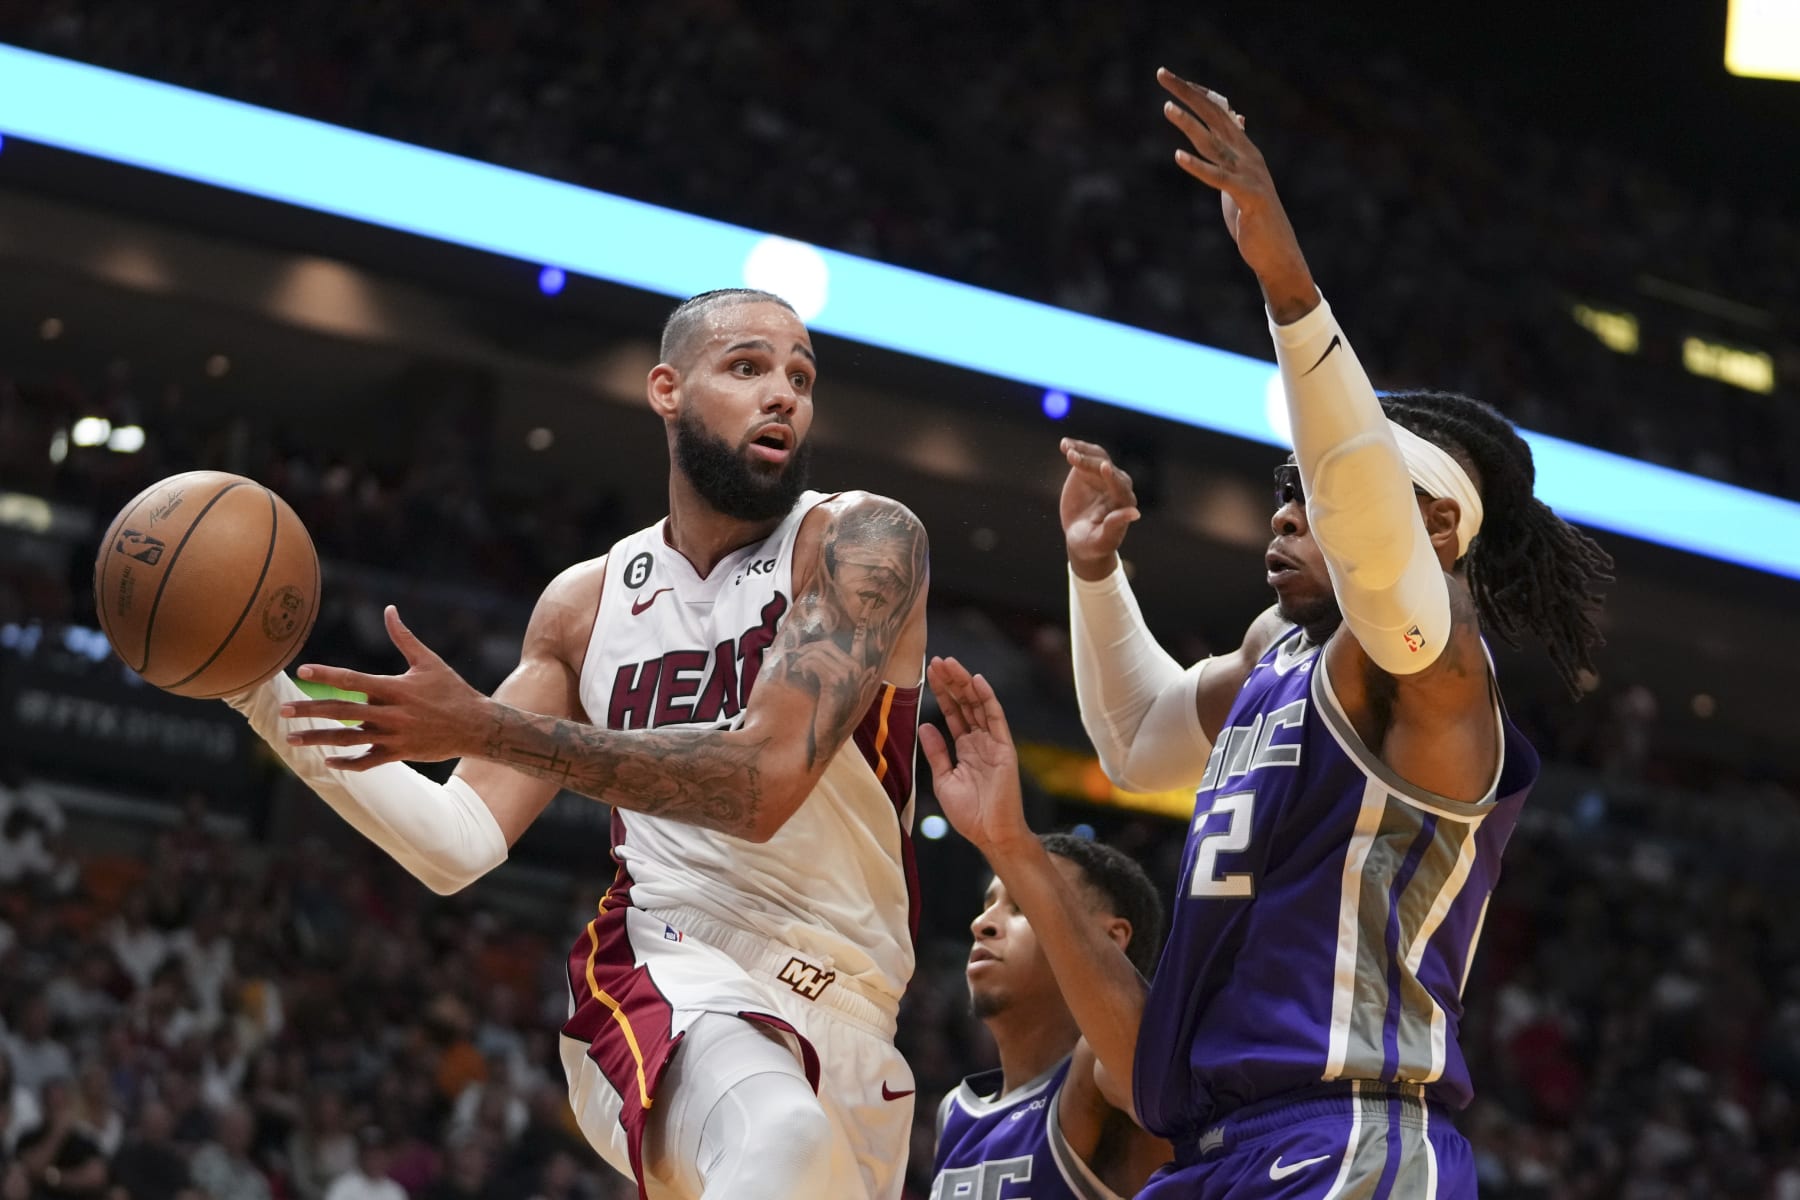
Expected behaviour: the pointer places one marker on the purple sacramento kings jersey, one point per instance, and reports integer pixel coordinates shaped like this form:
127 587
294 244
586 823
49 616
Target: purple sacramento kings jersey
990 1148
1327 911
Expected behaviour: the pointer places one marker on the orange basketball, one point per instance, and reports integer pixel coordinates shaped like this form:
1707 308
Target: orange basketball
206 584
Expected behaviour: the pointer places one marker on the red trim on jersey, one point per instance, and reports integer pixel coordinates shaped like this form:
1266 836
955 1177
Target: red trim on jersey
620 1012
809 1057
888 736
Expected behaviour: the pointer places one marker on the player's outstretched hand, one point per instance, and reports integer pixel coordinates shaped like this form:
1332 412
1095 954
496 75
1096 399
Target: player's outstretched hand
426 715
1225 158
980 791
1098 506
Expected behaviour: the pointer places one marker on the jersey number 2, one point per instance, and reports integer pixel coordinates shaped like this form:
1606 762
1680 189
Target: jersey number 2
1233 839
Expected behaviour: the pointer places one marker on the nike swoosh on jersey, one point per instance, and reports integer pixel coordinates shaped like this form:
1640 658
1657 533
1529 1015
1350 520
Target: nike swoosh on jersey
1278 1172
887 1095
638 606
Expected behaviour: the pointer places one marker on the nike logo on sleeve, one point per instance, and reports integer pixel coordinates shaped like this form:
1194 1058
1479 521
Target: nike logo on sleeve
1336 341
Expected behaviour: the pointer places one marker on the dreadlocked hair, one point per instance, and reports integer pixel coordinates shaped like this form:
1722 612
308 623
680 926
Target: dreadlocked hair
1529 570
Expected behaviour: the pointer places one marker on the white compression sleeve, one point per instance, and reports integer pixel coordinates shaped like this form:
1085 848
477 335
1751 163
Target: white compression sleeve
441 832
1359 499
1137 704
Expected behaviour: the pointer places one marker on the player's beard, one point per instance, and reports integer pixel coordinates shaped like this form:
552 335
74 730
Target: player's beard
729 481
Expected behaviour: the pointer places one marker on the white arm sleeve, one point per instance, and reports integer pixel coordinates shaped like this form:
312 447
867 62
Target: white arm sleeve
1138 706
1359 499
441 832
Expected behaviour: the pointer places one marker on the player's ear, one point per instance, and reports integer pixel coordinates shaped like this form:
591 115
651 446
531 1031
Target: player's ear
663 389
1119 930
1441 516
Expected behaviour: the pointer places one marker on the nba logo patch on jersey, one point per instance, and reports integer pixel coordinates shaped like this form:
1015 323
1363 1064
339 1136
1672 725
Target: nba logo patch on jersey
671 934
1415 641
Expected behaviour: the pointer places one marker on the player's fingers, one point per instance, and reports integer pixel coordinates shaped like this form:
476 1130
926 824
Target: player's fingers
342 678
1202 170
1202 99
1081 447
937 751
411 648
1115 522
326 710
361 762
994 716
1097 468
1190 94
1196 130
947 700
956 696
342 735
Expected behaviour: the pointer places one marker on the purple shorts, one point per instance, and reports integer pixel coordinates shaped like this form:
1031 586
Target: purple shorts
1365 1142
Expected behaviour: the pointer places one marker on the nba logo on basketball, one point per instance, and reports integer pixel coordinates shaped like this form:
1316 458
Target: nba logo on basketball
1415 641
141 546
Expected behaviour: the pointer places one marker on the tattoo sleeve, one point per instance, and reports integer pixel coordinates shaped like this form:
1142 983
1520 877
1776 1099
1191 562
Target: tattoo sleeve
826 662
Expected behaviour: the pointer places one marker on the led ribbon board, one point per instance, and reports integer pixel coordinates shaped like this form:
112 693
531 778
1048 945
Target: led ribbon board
323 167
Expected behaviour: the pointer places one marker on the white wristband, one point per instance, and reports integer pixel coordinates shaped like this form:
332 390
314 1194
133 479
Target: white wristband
443 833
1137 704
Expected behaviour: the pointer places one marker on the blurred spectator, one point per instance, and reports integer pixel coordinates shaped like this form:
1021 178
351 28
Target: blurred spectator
19 1109
139 946
321 1150
468 1174
367 1178
149 1166
58 1158
37 1057
223 1168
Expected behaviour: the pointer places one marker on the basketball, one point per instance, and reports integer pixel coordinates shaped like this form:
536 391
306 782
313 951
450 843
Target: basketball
206 584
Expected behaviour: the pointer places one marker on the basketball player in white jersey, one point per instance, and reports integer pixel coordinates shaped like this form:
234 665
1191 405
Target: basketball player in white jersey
740 681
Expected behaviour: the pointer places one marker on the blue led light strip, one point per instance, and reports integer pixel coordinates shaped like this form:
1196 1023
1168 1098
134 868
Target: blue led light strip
323 167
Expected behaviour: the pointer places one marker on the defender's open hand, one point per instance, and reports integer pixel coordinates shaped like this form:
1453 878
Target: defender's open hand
1225 158
980 792
1098 506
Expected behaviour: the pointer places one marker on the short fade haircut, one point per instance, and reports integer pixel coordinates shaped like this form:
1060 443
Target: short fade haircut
678 331
1124 887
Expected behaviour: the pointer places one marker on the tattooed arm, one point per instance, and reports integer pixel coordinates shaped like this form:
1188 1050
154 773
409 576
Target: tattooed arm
857 600
860 581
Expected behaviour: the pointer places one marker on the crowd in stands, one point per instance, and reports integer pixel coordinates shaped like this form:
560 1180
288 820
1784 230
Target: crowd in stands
1021 148
196 1015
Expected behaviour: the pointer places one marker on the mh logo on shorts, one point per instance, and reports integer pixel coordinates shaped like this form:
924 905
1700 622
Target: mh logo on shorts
805 978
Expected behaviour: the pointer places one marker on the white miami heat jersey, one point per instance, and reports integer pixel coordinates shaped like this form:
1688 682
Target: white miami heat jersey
673 650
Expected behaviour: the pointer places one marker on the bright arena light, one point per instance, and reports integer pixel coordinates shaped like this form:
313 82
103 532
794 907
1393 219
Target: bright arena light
1275 410
1762 39
91 431
531 219
551 280
934 827
1056 404
792 270
126 439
